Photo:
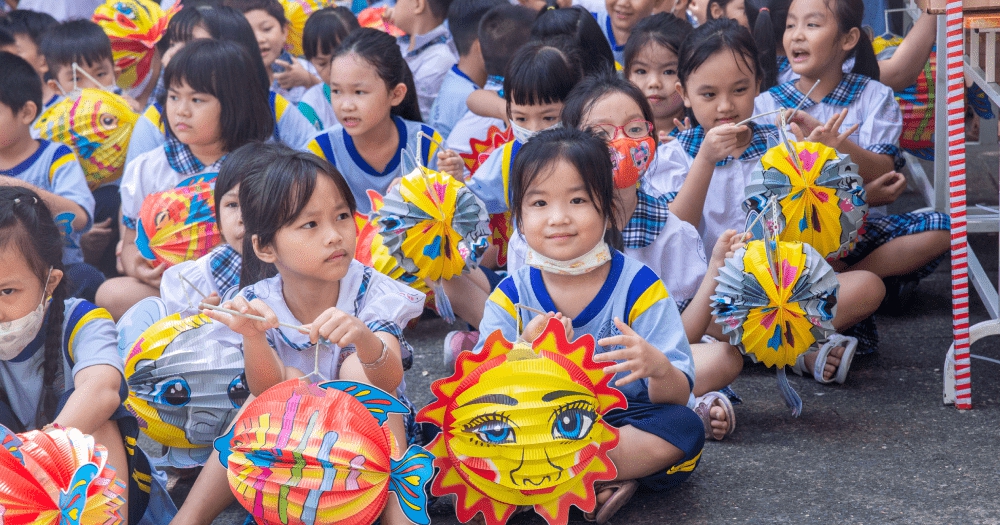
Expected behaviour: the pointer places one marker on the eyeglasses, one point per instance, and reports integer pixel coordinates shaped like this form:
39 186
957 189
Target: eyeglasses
635 129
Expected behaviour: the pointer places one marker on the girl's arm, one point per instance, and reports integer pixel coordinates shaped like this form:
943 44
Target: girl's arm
719 142
263 366
379 353
486 103
57 204
900 71
871 165
698 314
95 399
134 264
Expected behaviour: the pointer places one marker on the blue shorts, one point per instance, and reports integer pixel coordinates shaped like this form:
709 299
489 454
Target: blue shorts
675 424
880 230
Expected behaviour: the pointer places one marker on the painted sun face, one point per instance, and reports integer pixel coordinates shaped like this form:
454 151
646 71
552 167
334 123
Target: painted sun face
539 440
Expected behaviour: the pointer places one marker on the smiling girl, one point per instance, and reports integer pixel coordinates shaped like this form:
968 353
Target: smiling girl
209 112
563 202
619 18
651 64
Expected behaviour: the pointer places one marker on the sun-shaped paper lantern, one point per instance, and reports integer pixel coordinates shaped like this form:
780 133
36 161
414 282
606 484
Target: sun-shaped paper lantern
523 426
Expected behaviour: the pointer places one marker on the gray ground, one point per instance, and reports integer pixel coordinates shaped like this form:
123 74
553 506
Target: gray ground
879 449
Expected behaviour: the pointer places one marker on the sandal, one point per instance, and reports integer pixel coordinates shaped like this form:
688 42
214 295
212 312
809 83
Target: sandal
703 407
623 492
850 345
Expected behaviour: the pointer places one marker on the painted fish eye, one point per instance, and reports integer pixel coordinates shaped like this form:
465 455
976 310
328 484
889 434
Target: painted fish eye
174 392
238 391
492 429
573 421
125 9
108 120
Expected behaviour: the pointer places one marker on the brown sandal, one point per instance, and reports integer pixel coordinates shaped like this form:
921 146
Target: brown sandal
623 493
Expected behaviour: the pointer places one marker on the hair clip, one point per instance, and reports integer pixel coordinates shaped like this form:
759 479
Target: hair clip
550 8
34 200
761 10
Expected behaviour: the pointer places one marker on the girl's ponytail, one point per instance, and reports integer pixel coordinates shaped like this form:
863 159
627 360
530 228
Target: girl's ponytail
382 52
850 15
767 18
52 367
865 61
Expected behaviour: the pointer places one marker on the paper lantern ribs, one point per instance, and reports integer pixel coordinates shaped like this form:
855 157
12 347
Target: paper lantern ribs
178 225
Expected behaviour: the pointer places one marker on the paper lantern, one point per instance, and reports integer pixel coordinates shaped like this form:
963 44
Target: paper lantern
373 17
314 454
178 225
297 12
523 425
134 27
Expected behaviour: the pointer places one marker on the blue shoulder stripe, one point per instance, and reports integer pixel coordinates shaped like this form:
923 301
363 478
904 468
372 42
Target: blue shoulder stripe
326 145
509 289
640 283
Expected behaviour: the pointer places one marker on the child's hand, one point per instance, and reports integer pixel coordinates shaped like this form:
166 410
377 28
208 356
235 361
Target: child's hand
146 272
726 246
294 75
885 189
536 326
242 325
721 142
212 299
132 103
452 164
95 240
683 126
827 134
640 357
342 329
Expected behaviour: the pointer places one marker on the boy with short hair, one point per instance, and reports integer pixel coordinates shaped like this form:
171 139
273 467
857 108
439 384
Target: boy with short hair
27 27
470 72
427 46
7 42
502 31
48 168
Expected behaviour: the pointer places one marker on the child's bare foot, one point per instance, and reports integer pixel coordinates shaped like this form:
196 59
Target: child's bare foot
611 496
834 356
832 362
716 413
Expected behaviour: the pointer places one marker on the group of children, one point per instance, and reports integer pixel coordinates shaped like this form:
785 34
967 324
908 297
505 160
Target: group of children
635 130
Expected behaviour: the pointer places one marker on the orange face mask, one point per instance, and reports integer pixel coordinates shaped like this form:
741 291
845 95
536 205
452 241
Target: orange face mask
630 159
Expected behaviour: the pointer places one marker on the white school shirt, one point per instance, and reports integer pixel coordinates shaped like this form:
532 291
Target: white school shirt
217 272
316 106
472 126
655 237
450 104
432 56
723 208
383 304
294 95
151 173
785 72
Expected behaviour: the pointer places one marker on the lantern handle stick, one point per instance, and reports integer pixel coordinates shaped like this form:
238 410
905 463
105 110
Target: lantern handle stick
749 229
530 309
757 116
430 138
230 311
315 371
803 101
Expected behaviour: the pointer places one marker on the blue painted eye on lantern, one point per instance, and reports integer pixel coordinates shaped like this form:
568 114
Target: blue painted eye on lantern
492 429
174 392
238 391
125 9
573 421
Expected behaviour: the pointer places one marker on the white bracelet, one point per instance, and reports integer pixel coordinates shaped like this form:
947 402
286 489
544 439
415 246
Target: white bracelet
381 359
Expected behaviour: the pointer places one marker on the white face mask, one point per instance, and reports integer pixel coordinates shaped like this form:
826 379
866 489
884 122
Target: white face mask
15 335
595 258
524 134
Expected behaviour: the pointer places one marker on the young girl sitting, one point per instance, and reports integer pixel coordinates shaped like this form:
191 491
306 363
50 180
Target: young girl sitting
818 38
651 63
298 215
210 111
708 166
59 361
563 202
323 33
376 104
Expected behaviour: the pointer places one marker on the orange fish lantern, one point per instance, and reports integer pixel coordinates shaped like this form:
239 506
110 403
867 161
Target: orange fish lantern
57 477
134 27
312 454
374 17
178 225
522 425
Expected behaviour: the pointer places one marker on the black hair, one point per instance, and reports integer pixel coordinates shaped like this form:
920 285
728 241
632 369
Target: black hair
326 29
223 23
850 15
381 51
722 5
19 83
277 195
542 73
664 29
586 152
26 225
271 7
80 41
579 25
248 158
463 21
767 19
502 31
717 36
592 89
6 38
27 22
217 67
439 8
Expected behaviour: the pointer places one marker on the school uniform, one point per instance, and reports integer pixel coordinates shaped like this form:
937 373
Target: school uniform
383 304
89 339
293 95
471 126
491 182
786 74
633 293
216 272
450 104
617 49
432 55
337 147
724 200
317 107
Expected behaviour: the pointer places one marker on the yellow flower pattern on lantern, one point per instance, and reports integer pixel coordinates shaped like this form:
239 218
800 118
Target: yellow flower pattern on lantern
523 425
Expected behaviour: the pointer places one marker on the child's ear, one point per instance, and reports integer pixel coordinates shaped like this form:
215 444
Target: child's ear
54 86
264 253
419 6
28 112
397 94
851 39
55 277
715 11
680 89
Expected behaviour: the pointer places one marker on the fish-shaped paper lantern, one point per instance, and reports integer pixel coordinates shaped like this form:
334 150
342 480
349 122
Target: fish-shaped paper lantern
314 454
185 384
297 12
97 125
374 18
134 27
57 477
523 425
178 225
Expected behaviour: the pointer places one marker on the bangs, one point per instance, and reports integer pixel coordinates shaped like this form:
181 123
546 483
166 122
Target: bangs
197 70
540 75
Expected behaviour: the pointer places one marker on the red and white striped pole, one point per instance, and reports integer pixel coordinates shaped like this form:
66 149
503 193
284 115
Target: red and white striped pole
956 203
